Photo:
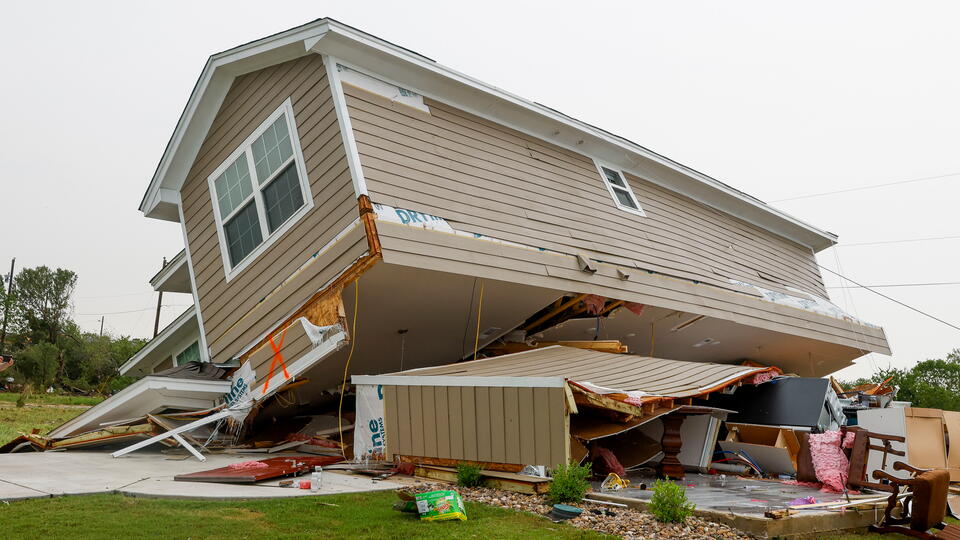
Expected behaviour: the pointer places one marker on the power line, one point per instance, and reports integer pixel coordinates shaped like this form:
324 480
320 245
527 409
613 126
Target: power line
895 285
878 293
905 240
861 188
115 295
130 311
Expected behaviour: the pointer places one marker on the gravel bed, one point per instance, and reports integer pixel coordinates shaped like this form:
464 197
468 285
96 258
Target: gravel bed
624 522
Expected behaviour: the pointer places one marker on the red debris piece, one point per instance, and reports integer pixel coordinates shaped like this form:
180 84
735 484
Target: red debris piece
275 468
247 465
605 462
594 303
404 468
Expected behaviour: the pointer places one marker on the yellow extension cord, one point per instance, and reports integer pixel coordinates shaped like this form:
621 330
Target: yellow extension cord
346 367
476 341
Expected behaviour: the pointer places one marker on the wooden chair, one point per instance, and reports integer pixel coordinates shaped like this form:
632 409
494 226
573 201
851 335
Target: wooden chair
924 507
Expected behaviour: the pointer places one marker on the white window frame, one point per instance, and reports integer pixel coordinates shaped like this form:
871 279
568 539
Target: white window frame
603 178
245 148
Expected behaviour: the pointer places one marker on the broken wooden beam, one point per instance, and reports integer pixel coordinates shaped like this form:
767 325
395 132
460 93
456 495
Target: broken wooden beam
517 483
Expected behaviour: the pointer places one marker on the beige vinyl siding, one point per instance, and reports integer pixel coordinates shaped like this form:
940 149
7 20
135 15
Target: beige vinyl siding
233 313
488 179
522 426
446 252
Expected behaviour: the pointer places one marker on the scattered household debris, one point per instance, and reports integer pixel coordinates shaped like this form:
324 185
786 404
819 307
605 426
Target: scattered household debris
630 417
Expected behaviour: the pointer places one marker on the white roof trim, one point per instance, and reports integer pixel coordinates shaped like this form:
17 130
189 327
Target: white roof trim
159 339
200 394
167 271
502 381
395 64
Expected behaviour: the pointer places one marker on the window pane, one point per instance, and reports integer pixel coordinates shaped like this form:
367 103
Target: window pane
282 197
271 149
190 354
243 233
613 177
233 186
624 198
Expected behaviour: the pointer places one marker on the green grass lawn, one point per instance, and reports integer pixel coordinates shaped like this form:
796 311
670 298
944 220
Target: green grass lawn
356 516
43 411
51 399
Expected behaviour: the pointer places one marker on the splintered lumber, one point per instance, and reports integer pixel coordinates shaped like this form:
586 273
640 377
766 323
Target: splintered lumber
452 463
519 483
608 346
110 435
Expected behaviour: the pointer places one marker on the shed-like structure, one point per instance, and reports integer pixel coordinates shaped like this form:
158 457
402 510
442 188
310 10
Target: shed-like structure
516 408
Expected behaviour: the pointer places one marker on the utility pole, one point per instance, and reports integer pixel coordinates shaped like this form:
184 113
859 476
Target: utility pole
156 321
102 317
6 307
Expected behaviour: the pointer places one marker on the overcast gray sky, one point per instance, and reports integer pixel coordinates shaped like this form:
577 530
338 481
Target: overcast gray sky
779 99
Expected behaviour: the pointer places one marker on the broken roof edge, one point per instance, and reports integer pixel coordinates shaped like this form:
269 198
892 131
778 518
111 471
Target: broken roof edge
159 339
454 380
423 75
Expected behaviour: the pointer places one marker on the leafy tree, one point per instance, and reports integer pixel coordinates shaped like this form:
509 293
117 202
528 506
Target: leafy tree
43 301
931 383
38 364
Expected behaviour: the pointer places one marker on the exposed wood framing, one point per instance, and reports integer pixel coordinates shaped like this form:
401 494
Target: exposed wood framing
553 312
608 346
443 462
496 480
325 307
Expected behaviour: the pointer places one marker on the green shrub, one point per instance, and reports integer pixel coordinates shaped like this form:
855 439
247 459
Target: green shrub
569 483
669 503
469 475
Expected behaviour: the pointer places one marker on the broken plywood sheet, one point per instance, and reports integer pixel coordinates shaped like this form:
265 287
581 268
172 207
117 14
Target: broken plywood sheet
632 448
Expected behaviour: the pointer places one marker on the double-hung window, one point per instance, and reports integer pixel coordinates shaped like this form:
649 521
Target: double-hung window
620 190
260 191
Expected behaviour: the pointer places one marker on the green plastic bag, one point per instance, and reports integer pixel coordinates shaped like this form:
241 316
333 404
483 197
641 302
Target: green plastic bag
441 506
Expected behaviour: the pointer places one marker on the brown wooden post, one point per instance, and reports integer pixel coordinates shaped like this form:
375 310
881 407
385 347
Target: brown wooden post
671 442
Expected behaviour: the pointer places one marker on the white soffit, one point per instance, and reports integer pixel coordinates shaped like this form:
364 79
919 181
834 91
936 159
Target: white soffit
146 396
394 64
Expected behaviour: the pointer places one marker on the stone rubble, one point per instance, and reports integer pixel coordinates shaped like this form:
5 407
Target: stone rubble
627 523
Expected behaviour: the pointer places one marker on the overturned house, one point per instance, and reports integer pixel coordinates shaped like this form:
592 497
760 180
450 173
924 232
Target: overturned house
356 213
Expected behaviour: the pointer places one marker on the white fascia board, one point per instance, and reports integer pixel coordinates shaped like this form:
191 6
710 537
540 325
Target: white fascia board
454 380
167 271
205 100
189 315
398 65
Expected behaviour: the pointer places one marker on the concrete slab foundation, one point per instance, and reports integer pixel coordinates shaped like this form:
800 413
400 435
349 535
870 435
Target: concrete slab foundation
741 503
147 474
